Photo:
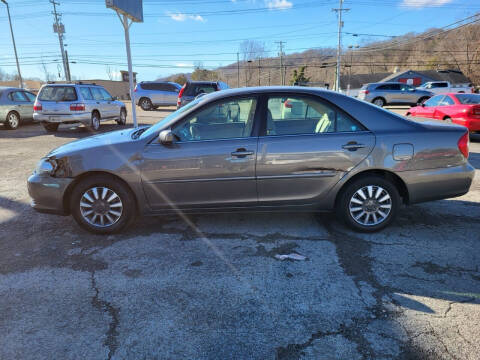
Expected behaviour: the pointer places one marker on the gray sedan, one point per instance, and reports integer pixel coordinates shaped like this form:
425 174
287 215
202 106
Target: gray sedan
16 106
286 148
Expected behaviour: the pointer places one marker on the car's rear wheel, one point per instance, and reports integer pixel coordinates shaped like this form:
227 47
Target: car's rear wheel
102 204
95 121
122 119
13 120
379 102
146 104
49 127
369 204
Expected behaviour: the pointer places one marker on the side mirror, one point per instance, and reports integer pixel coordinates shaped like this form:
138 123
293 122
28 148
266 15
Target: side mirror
165 137
423 104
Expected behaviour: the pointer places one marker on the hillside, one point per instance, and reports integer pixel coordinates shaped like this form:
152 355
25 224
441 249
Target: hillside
456 48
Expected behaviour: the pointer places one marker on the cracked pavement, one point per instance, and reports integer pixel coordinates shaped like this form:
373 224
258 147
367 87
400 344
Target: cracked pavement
162 291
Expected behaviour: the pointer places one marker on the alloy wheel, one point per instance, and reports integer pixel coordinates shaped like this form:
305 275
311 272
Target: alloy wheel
370 205
378 102
95 122
101 206
13 120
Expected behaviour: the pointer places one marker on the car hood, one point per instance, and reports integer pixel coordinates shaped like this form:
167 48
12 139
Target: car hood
110 138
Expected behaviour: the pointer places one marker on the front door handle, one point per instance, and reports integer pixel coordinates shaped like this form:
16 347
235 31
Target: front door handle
241 153
353 146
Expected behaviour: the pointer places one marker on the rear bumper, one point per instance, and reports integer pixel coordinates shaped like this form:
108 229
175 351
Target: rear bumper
65 118
47 193
470 123
436 184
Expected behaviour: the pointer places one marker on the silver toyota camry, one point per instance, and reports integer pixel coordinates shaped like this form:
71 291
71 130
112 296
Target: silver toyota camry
265 148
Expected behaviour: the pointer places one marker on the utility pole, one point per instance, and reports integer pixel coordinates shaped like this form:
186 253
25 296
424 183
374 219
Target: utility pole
238 69
14 46
68 66
59 28
281 61
258 71
339 11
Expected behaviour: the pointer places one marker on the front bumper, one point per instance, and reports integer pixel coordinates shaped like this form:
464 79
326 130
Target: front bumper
84 118
47 193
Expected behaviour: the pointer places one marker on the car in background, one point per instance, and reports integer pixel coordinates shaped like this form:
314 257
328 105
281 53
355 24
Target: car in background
192 89
343 155
151 94
16 106
462 109
443 87
84 103
393 93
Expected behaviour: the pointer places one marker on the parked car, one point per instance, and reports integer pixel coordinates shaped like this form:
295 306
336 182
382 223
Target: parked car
392 93
151 94
16 106
84 103
341 154
192 89
462 109
443 87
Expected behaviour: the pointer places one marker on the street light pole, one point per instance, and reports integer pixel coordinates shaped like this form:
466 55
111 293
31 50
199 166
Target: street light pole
14 46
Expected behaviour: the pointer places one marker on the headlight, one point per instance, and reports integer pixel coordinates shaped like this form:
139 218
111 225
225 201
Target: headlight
46 166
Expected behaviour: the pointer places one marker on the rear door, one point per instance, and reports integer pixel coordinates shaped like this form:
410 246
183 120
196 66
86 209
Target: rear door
29 107
428 108
99 102
445 107
308 145
171 94
109 104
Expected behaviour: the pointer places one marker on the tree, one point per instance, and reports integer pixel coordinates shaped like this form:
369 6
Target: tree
298 77
180 79
250 51
204 75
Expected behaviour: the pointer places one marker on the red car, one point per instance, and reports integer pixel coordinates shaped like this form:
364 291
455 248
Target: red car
462 109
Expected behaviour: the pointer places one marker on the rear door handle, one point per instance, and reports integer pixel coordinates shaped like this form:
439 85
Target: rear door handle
241 153
352 146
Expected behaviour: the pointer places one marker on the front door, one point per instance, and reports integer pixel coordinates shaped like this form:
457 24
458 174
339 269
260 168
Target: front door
427 109
307 148
211 163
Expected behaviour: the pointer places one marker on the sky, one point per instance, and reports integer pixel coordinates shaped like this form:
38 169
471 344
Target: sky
176 35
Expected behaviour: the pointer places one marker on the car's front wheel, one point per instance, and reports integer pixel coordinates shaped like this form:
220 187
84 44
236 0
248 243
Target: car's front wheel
102 204
122 119
369 204
379 102
13 120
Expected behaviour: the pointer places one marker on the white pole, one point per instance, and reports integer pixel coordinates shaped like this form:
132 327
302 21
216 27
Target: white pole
126 26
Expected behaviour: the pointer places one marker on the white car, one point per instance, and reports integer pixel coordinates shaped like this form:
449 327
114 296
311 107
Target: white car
442 87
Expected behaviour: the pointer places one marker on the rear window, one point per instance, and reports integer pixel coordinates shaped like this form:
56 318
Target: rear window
196 89
58 93
468 99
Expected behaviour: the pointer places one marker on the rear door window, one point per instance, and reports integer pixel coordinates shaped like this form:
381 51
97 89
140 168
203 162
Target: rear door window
58 93
105 94
97 95
31 97
295 116
86 93
17 96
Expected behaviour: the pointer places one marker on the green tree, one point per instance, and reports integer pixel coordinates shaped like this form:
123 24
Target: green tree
204 75
298 77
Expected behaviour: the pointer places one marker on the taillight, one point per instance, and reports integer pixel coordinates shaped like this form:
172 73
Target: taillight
463 144
77 107
180 94
135 90
476 111
37 106
365 91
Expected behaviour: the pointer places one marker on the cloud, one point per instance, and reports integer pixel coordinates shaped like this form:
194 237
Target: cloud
278 4
184 65
423 3
183 17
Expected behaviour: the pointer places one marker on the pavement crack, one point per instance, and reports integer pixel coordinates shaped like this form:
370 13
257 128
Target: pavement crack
111 340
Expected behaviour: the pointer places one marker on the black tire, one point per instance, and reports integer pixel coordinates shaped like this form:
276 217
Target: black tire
422 100
128 210
122 119
95 121
50 127
13 120
379 101
346 208
146 104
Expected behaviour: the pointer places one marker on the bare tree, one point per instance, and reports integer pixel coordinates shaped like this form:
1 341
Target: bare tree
250 51
47 75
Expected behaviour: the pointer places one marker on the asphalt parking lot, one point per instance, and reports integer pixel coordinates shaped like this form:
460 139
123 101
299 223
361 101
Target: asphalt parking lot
167 290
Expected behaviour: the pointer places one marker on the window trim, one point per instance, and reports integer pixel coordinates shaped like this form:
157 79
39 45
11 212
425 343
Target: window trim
254 132
337 109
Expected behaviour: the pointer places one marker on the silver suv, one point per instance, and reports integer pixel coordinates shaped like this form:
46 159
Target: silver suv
393 93
151 94
76 103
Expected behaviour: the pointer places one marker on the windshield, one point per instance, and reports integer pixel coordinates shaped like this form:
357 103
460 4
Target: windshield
162 123
468 99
